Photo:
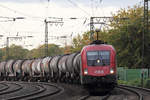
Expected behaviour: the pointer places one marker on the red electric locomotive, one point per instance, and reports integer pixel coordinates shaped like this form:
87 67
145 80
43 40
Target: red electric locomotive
98 66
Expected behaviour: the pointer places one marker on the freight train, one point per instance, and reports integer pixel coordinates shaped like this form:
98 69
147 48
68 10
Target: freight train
95 65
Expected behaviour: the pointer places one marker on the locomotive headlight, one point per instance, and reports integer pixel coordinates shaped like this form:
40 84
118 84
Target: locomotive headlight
98 61
85 71
111 71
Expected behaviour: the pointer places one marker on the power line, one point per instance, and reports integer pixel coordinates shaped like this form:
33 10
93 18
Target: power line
47 8
92 7
15 11
100 21
73 3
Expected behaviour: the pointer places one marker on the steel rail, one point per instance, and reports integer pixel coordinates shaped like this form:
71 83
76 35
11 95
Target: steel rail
84 97
145 89
13 90
130 88
39 88
5 88
102 97
38 94
58 91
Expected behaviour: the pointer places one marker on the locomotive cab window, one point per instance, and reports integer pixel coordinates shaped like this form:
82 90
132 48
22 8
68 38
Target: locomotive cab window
98 58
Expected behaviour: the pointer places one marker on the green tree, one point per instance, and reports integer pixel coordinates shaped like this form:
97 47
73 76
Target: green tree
126 37
80 41
15 52
1 54
40 51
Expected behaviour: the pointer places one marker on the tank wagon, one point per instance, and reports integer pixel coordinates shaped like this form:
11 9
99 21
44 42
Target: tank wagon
56 68
94 66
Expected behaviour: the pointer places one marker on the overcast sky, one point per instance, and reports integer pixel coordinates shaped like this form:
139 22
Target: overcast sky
35 11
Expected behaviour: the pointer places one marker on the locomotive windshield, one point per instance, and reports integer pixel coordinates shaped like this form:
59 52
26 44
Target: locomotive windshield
98 58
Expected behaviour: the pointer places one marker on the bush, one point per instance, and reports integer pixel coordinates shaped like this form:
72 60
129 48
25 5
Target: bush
147 83
122 82
136 82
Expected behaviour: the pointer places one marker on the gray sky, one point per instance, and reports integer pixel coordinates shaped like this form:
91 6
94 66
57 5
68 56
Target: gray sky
35 11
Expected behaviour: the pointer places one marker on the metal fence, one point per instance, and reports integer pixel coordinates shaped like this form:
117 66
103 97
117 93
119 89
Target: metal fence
131 74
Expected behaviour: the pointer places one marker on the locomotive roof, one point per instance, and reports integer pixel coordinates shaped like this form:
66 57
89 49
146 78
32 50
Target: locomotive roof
95 46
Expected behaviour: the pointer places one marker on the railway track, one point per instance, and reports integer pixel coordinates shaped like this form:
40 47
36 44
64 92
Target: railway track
27 90
51 91
90 97
10 88
144 94
3 87
121 92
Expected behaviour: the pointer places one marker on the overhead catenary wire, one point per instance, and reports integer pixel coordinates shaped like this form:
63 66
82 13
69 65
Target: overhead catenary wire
16 11
2 28
92 7
73 3
47 9
73 18
100 9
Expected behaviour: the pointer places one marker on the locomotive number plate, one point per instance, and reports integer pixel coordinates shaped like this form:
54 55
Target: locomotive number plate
98 71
